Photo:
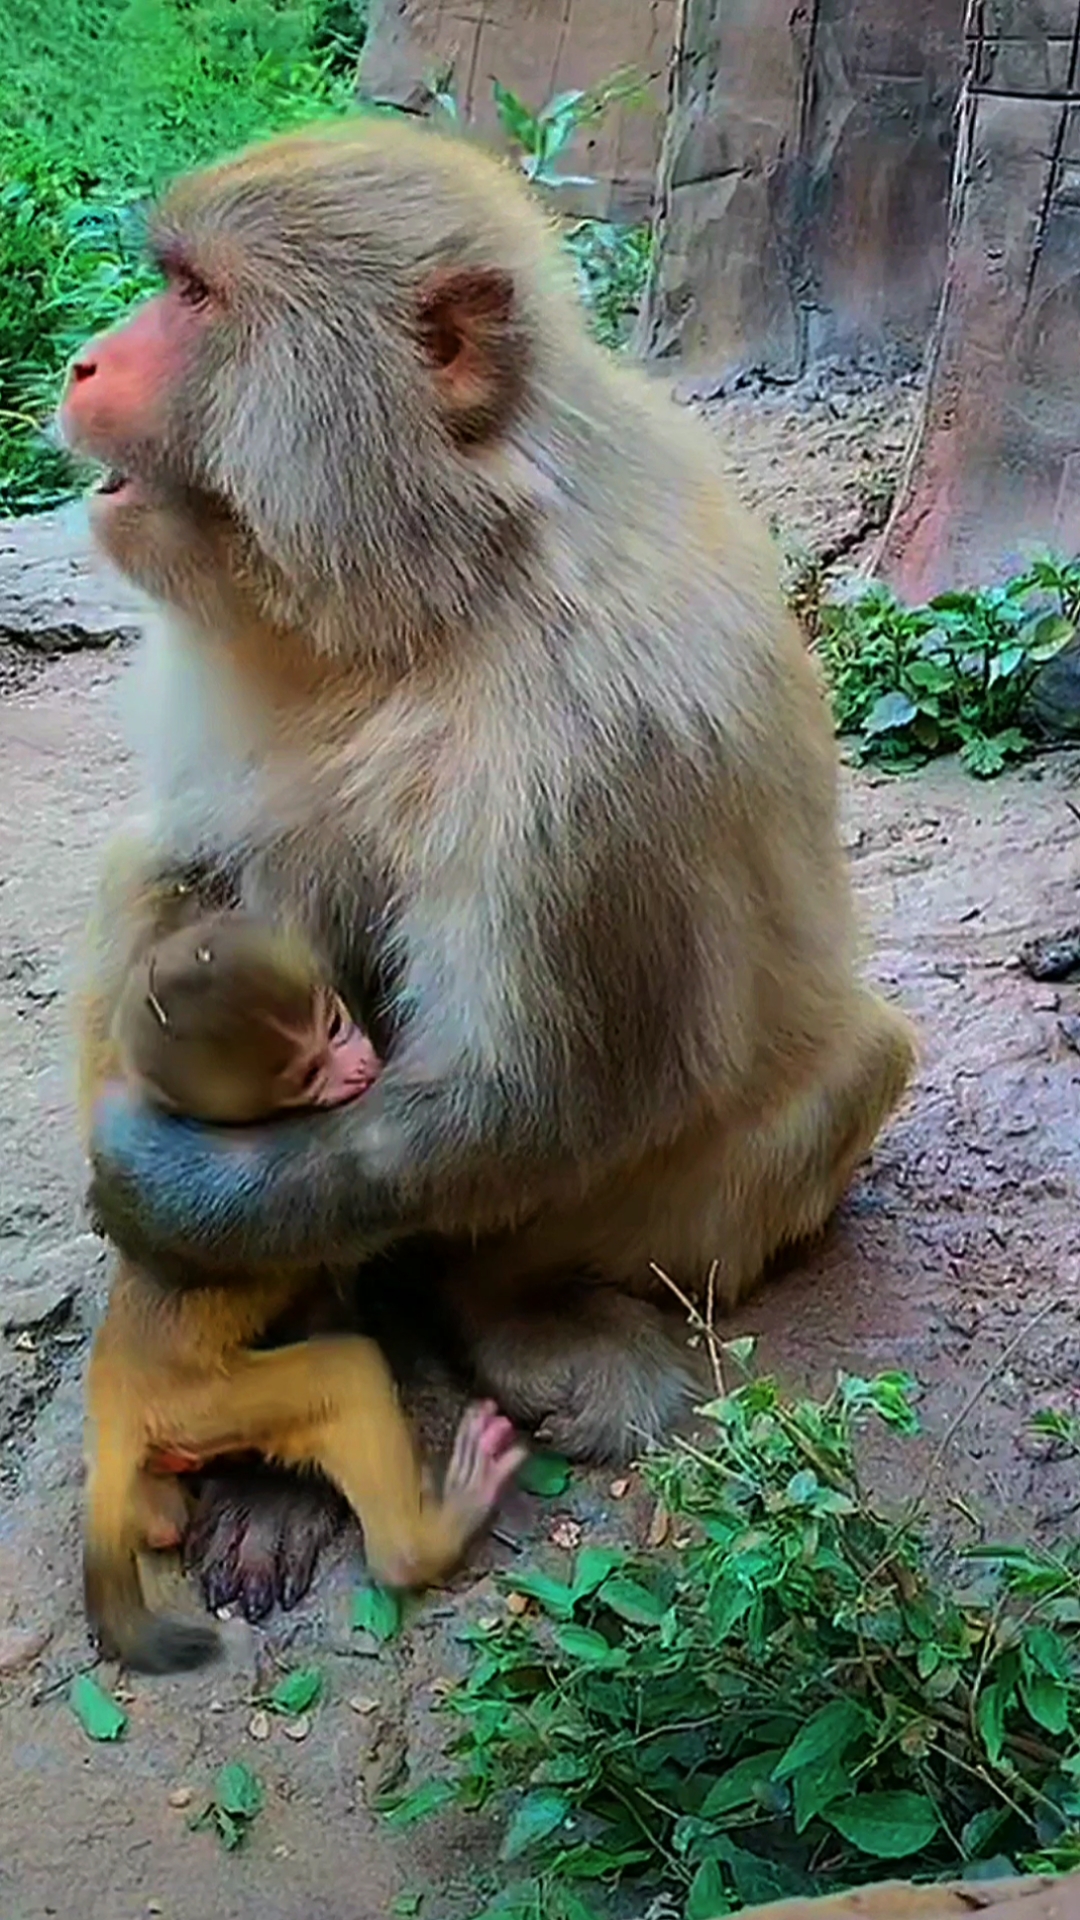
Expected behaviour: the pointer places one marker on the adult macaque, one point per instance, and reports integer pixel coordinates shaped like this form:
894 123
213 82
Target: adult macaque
471 665
229 1023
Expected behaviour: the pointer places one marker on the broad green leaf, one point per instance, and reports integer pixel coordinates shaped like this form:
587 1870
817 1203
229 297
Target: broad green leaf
815 1788
1004 664
547 1474
237 1791
802 1487
747 1781
538 1815
827 1735
1046 1700
707 1898
95 1710
990 1719
592 1566
584 1643
555 1596
296 1692
377 1611
889 714
889 1826
980 1830
729 1602
758 1880
425 1799
1047 1652
229 1831
522 125
406 1904
632 1602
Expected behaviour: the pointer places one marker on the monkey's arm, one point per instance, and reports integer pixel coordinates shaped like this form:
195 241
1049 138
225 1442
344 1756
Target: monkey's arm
326 1187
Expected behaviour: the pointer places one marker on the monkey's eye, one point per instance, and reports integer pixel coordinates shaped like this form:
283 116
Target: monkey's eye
311 1076
333 1031
192 291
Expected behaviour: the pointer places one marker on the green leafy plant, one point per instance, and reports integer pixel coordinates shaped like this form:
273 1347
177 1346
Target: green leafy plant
540 136
101 101
912 682
612 264
237 1797
793 1700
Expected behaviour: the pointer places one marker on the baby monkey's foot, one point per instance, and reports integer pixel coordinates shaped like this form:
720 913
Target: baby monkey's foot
487 1454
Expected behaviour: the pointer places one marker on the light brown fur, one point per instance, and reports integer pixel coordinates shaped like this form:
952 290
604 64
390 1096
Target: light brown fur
539 763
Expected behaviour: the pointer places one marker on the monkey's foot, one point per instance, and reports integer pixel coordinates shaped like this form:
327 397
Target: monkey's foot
256 1536
486 1456
602 1379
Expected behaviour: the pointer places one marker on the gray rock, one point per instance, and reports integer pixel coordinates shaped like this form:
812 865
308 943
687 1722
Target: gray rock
1054 701
44 1286
56 594
21 1645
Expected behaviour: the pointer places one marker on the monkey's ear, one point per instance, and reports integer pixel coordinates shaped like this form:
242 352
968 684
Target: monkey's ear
473 340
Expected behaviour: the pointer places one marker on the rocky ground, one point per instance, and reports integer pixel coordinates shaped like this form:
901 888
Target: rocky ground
955 1256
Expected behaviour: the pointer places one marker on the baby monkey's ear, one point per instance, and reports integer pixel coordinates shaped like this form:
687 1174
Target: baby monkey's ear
476 345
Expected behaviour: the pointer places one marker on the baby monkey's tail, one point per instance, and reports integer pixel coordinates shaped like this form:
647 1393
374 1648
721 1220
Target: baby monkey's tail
126 1628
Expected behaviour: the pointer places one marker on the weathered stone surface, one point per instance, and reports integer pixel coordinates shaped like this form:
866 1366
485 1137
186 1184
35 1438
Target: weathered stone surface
20 1646
538 49
804 182
1054 700
995 470
44 1286
55 594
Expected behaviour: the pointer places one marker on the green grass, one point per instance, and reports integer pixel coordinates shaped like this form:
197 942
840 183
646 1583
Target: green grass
101 102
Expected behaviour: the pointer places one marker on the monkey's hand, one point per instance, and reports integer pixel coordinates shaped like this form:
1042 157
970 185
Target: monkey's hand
170 1192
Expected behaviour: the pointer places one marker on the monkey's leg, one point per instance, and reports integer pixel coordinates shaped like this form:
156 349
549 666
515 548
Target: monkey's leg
594 1365
332 1402
118 1505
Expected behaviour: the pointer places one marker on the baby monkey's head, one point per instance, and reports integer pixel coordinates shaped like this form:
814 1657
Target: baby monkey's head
229 1021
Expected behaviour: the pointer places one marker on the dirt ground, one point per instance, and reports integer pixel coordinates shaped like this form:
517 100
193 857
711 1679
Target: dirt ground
955 1256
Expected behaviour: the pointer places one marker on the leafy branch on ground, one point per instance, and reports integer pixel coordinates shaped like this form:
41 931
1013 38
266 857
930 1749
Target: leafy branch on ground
795 1698
954 675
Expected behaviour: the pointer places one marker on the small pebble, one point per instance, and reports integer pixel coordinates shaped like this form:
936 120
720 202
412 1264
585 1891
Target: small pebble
281 1853
517 1604
217 1706
489 1623
363 1703
181 1797
20 1645
223 1613
154 1906
620 1489
259 1725
566 1533
124 1695
24 1343
299 1728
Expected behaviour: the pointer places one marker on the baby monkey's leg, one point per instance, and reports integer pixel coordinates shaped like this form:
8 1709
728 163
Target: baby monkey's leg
331 1402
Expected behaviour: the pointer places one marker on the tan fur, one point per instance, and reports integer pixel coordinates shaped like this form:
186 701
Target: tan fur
517 714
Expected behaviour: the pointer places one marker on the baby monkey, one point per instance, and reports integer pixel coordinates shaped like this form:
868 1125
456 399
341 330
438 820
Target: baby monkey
228 1023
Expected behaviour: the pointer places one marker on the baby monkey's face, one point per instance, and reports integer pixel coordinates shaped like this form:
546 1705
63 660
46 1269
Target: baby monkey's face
331 1060
227 1022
